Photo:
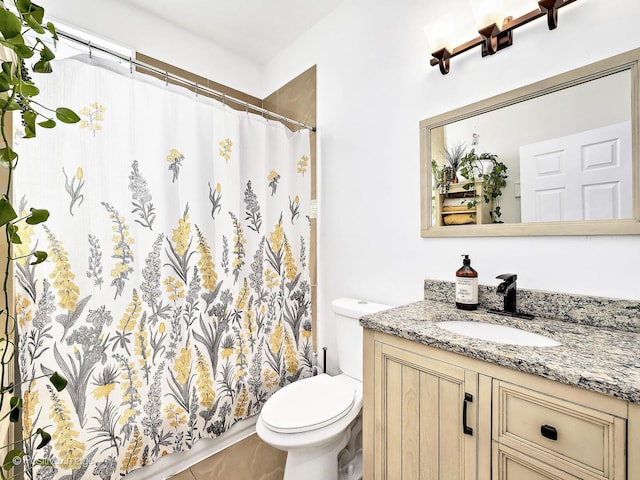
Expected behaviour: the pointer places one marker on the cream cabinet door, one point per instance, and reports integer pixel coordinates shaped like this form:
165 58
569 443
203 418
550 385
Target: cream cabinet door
425 417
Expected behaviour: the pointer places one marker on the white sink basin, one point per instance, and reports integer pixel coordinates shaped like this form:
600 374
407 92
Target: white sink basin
498 333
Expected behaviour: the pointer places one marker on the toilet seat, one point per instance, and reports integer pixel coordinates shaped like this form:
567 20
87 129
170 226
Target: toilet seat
308 404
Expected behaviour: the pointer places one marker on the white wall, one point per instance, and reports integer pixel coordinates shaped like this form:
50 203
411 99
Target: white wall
374 86
132 27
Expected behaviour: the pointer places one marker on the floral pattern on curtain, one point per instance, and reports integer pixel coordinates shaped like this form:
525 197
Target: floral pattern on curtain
176 297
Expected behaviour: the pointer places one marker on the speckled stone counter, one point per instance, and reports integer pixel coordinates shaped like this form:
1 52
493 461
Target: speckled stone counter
600 339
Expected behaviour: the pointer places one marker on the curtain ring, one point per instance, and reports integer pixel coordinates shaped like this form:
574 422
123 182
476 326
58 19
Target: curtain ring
90 52
166 79
224 100
130 65
196 89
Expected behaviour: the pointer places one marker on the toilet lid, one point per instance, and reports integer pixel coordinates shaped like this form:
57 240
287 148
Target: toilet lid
307 405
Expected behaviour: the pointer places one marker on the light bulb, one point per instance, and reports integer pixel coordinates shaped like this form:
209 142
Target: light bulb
487 12
440 33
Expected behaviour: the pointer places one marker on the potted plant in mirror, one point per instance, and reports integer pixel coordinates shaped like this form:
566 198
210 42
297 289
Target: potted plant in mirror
447 174
487 168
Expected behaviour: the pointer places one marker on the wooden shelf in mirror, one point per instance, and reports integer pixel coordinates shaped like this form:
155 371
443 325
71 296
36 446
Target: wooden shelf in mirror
460 194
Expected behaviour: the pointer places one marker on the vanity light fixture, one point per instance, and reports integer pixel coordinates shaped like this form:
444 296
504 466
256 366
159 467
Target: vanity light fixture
493 38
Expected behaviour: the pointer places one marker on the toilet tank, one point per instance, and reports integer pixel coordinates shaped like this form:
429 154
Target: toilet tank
347 311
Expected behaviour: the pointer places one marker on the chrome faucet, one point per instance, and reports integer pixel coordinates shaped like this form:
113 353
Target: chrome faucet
508 289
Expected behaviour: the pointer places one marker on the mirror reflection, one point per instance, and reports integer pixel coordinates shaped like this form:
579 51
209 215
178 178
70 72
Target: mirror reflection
558 155
567 154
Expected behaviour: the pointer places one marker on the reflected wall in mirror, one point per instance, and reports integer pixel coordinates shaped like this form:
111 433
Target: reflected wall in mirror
569 147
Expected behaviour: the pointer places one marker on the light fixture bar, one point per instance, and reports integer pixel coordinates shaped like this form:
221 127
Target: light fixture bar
493 39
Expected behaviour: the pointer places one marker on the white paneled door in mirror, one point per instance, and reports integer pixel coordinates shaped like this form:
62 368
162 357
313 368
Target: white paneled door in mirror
584 176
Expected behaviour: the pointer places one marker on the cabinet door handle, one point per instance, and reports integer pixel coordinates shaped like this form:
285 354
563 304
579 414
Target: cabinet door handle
548 431
468 398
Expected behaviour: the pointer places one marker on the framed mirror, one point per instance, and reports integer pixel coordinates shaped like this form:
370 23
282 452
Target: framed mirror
557 157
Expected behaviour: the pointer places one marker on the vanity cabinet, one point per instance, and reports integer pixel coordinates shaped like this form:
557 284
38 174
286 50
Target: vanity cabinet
419 402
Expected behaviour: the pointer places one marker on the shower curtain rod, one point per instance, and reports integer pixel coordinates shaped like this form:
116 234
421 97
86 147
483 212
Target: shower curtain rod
198 88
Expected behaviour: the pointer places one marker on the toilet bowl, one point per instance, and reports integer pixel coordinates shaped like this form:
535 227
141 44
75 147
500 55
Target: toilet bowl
312 431
312 419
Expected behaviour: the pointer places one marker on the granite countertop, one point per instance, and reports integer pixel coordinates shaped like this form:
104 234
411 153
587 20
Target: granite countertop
603 359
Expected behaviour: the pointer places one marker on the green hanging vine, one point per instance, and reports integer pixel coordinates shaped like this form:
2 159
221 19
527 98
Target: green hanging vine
22 30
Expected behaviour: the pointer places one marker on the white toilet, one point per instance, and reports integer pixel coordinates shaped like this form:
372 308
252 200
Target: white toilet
314 419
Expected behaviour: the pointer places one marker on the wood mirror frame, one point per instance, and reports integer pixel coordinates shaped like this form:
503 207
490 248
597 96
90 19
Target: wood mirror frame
629 61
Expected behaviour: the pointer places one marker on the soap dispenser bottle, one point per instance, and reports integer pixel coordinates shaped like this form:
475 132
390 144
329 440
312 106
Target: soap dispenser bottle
466 286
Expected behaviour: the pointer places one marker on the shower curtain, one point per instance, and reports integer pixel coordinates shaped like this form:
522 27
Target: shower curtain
175 299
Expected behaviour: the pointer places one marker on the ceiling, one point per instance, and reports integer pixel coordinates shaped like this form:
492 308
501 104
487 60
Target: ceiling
255 29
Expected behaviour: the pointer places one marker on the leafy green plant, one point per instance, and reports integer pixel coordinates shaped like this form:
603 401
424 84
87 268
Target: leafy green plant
472 166
22 34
